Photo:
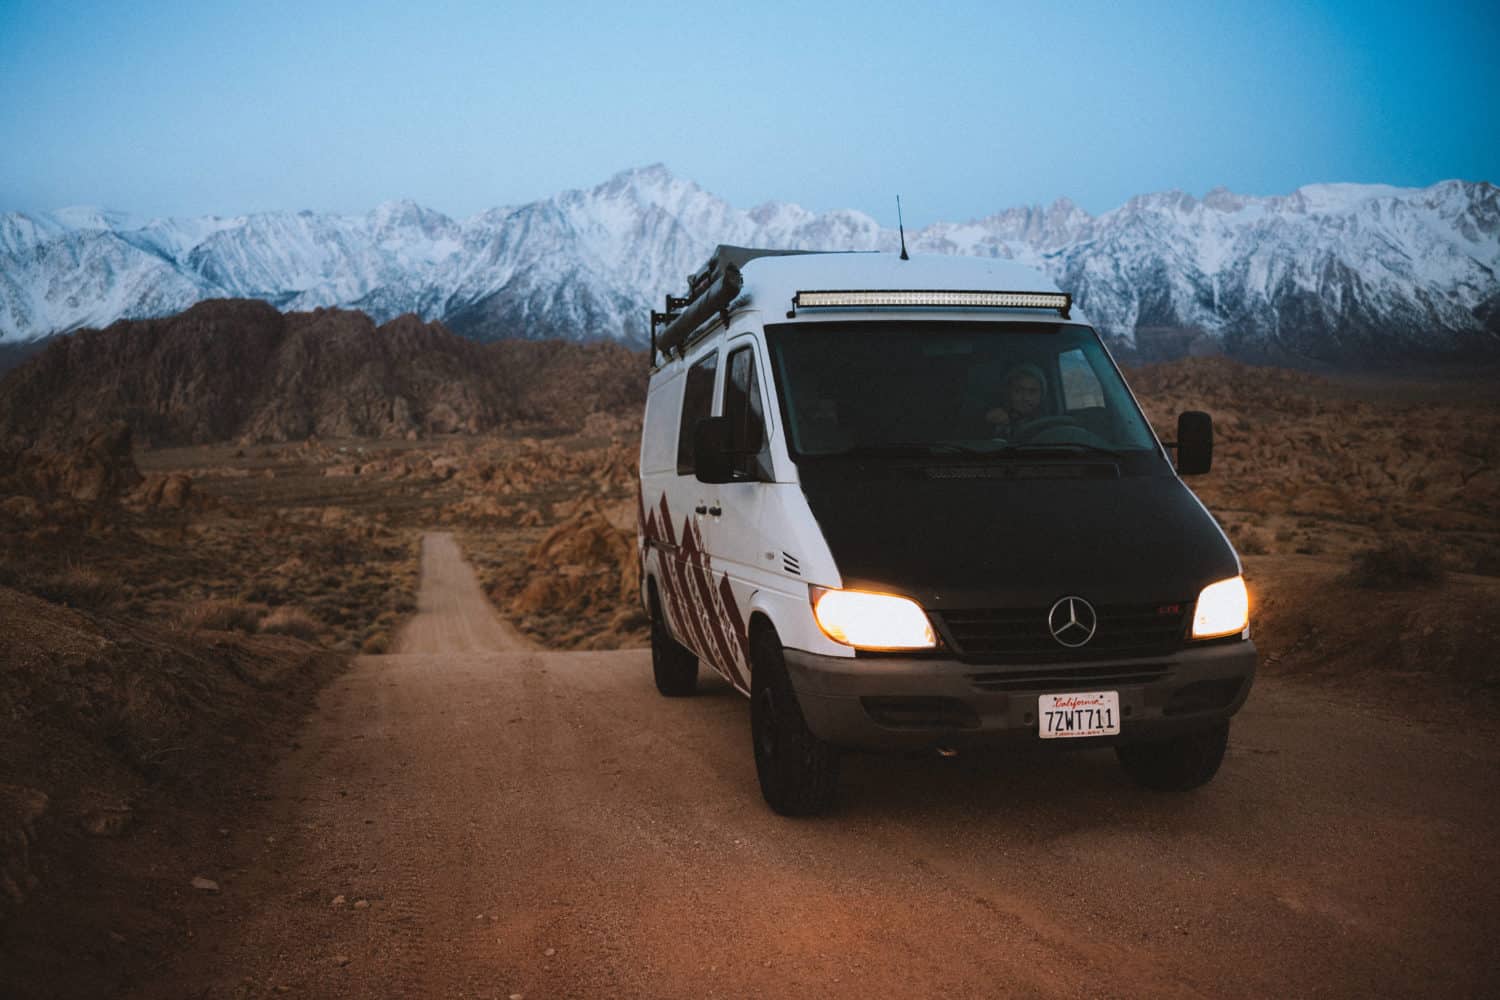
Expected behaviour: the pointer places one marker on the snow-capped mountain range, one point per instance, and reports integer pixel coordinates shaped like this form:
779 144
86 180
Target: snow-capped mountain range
1329 270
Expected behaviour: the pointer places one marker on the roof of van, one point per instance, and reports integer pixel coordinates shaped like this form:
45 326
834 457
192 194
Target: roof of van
770 282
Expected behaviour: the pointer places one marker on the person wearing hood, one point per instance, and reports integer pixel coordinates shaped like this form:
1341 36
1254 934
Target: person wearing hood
1025 390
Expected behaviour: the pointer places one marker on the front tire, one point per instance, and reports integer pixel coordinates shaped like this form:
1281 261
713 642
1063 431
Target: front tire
1179 764
673 665
798 772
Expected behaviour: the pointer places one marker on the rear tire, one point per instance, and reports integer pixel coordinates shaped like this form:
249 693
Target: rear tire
1179 764
673 664
798 772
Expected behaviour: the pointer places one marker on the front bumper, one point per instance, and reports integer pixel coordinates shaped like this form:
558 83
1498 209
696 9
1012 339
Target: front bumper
895 703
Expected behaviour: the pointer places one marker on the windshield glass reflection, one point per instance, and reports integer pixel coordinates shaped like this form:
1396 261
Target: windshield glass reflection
946 388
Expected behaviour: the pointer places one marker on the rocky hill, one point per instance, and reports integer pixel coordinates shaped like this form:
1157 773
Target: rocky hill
1332 271
240 370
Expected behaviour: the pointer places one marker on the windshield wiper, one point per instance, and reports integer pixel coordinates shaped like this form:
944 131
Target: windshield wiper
1058 447
931 449
908 448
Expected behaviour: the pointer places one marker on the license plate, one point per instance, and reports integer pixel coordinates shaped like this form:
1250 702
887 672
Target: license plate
1065 716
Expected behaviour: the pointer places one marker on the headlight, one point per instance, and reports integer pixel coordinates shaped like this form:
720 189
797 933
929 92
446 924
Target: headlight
871 621
1223 609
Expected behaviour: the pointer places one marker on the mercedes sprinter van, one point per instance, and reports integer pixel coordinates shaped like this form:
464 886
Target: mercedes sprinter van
904 504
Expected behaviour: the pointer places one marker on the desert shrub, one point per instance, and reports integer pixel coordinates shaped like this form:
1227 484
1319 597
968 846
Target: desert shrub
221 616
331 609
1395 565
293 622
77 587
1252 543
260 591
375 645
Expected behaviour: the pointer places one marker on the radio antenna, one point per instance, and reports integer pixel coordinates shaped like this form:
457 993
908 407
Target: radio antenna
901 227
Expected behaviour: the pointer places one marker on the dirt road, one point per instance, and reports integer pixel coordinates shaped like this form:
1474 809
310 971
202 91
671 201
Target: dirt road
453 615
470 818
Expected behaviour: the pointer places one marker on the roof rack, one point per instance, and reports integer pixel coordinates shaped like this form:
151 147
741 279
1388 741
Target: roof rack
710 291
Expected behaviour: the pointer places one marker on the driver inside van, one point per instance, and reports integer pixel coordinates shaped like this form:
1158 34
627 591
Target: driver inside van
1025 387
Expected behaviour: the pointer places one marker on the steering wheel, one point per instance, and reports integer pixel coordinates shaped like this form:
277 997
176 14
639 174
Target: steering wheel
1032 428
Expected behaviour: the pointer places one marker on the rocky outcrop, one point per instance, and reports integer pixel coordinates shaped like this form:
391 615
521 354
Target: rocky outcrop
98 470
92 482
240 370
101 470
163 492
582 561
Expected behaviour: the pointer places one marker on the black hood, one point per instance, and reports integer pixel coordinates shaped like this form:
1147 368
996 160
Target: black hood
1015 537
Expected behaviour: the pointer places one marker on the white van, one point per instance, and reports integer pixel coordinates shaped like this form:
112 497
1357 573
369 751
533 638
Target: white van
911 503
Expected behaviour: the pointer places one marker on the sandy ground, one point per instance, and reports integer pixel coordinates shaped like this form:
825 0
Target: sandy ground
471 818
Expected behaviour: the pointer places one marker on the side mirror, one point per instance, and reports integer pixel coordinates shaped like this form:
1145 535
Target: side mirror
1195 443
711 458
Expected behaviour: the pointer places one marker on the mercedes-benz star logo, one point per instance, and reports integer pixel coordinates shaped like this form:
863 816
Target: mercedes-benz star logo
1072 621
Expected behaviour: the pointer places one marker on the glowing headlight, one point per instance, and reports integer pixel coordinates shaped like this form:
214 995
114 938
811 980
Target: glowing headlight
1223 609
871 621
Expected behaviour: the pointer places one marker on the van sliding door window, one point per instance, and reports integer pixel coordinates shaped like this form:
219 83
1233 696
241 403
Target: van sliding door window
747 420
697 404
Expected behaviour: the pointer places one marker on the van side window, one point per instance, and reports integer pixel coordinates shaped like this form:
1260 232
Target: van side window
658 440
1080 386
747 419
697 404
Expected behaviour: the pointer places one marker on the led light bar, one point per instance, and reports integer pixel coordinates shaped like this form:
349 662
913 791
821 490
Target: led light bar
1061 301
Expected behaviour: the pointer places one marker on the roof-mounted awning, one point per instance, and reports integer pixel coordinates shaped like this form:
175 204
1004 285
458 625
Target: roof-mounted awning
1062 302
710 291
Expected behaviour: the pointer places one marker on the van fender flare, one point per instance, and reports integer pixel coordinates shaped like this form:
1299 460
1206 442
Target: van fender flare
759 606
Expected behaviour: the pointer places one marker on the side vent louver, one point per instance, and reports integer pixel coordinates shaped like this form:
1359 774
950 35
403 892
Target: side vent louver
790 564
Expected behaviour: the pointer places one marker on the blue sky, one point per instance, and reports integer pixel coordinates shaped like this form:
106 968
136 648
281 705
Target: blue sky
963 108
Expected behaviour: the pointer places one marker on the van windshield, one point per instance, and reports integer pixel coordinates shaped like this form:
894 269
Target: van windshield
952 388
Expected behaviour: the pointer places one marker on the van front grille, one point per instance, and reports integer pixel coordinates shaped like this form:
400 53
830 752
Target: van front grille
1021 635
1068 678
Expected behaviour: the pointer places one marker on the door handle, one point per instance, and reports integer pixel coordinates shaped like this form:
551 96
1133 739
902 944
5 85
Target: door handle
716 510
701 509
